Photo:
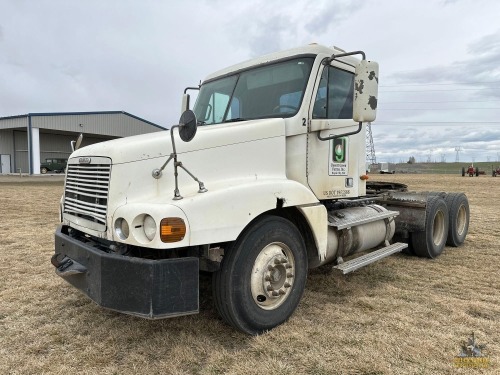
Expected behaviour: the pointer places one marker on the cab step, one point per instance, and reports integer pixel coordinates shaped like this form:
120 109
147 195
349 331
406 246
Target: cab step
354 264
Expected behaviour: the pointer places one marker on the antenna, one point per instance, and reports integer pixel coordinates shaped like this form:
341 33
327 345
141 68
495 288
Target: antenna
458 149
370 148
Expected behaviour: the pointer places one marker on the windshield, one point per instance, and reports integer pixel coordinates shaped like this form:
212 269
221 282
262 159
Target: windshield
274 90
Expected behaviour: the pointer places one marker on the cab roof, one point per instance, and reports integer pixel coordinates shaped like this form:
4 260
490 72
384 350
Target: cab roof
311 49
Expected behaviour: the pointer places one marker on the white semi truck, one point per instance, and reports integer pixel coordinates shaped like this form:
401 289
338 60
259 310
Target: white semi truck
263 180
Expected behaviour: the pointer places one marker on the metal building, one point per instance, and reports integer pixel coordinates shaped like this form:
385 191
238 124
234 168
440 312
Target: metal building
27 140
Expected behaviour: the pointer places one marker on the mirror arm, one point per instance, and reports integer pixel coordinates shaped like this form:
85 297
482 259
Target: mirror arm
191 88
360 125
333 57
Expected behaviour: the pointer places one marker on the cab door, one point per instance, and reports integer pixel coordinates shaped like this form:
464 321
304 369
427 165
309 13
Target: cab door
334 165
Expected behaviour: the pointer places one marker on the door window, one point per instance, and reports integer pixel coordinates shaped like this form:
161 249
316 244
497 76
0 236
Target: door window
335 95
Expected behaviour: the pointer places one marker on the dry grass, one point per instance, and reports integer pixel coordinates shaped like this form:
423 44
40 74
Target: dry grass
403 315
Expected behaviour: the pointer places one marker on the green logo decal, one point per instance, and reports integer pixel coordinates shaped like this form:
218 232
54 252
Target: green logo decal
339 150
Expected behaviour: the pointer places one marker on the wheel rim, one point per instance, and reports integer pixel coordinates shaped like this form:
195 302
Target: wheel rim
461 220
438 234
272 276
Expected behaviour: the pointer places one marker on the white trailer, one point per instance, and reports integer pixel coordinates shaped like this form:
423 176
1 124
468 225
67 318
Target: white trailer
263 180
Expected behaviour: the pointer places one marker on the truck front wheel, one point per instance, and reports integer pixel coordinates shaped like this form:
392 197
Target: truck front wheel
262 276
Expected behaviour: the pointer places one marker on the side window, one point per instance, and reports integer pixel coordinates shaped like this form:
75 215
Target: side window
335 95
212 102
219 104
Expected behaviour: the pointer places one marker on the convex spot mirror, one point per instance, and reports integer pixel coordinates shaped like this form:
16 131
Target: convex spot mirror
365 91
187 125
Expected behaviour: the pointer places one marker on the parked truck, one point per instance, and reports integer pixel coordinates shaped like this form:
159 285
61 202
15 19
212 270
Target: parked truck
262 181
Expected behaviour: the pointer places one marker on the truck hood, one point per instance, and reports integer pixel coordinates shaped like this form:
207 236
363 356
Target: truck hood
159 145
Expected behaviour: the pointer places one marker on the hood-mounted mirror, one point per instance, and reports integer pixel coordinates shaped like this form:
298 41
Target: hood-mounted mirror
187 126
187 130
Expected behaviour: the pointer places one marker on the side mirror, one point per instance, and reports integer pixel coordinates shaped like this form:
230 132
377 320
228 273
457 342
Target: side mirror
365 91
187 125
185 103
75 145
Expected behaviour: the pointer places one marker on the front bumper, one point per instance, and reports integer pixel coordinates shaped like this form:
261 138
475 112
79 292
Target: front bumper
152 289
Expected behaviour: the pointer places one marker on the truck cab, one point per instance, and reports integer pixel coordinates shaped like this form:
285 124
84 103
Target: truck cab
263 180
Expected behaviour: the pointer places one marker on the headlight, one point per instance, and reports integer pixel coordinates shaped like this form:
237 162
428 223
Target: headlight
121 228
149 226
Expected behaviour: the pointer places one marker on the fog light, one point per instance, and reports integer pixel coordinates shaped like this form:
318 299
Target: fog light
149 226
121 228
172 229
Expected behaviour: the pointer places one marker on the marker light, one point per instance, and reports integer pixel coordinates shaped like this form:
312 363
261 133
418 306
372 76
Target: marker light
172 229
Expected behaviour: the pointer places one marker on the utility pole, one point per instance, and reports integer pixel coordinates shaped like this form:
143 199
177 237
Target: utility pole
457 158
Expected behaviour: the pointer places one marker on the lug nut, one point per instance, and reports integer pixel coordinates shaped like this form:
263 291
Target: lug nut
270 268
269 288
282 292
288 266
277 261
287 285
267 278
283 261
289 274
275 293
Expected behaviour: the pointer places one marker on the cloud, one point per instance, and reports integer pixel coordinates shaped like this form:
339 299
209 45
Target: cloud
327 13
278 25
482 66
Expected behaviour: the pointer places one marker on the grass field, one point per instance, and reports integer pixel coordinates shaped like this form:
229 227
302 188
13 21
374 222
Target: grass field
403 315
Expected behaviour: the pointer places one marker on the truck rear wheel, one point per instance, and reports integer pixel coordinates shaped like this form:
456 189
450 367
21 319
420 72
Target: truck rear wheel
463 171
430 242
458 208
43 170
262 276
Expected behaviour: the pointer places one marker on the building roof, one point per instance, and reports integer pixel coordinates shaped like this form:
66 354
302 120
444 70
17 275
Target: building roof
80 114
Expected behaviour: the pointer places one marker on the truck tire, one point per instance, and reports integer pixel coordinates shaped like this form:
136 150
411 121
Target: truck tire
477 172
262 276
463 171
458 208
43 170
430 242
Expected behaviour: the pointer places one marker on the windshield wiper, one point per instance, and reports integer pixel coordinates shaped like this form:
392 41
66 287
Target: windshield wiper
236 119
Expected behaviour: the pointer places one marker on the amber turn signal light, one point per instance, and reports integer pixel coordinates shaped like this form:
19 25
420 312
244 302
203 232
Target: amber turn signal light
363 177
172 229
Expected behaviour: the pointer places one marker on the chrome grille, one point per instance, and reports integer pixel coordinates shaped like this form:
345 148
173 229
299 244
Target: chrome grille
86 191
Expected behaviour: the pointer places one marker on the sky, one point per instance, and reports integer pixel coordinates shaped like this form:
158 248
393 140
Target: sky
439 60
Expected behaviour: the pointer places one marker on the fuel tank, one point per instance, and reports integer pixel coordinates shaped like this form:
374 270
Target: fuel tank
355 229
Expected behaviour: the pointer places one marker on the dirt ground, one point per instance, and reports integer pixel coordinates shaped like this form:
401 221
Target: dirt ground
402 315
